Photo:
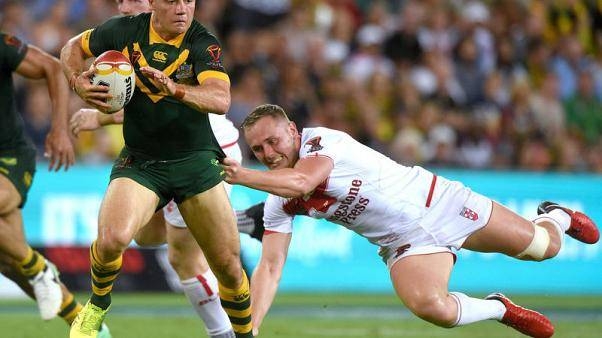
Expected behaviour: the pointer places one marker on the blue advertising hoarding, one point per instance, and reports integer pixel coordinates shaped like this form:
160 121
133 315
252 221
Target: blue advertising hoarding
62 209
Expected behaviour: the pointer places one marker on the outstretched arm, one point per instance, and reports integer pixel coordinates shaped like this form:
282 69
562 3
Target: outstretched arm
38 64
266 277
298 181
92 119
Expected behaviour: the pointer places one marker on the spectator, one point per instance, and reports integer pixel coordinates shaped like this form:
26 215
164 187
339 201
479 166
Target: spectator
584 111
402 46
376 63
549 114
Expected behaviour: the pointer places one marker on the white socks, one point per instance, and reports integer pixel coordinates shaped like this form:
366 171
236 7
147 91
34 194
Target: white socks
201 291
472 310
562 218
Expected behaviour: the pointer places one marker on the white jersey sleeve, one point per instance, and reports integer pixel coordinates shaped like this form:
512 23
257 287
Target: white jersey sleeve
313 143
223 129
274 217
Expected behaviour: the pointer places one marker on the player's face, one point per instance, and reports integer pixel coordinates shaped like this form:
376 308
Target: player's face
172 17
273 142
133 7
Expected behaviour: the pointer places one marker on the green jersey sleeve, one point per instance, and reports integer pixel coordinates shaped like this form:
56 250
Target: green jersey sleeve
208 59
12 52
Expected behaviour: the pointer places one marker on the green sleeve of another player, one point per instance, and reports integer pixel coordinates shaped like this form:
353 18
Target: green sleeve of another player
12 52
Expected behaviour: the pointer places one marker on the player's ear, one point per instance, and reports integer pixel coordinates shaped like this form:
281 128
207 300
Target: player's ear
292 128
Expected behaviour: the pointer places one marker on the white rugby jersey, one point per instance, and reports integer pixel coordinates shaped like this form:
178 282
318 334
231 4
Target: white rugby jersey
223 129
366 191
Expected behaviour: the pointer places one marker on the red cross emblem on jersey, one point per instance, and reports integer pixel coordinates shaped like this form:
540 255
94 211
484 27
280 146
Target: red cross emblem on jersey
469 213
317 200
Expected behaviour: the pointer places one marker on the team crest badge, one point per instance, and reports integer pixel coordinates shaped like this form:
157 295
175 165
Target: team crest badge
215 53
11 40
469 214
314 143
184 72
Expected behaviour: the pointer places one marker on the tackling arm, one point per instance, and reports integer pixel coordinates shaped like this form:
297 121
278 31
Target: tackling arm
298 181
92 119
266 277
38 64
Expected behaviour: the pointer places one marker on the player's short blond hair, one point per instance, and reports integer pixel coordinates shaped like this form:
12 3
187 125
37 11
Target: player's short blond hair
273 110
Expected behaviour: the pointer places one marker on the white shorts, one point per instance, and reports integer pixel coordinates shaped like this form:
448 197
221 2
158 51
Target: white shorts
455 212
170 211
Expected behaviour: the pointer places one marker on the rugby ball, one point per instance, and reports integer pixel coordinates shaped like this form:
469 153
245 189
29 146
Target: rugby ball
114 70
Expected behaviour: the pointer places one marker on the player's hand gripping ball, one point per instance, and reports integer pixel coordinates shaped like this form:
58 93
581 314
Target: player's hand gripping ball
114 70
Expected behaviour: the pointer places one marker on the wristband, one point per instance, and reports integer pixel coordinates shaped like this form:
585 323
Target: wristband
179 94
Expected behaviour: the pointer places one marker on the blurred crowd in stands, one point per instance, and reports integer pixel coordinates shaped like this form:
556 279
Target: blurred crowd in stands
499 84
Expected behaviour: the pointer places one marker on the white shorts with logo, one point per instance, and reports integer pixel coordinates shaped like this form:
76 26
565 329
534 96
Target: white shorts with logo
170 211
454 213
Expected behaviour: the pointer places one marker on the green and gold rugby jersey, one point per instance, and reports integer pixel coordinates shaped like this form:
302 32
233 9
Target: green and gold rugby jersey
12 52
155 124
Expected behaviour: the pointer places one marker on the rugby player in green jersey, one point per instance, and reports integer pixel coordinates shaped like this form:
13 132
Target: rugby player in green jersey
196 279
18 261
170 150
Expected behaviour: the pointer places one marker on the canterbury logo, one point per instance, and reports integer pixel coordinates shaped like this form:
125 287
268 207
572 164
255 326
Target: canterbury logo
146 86
8 160
160 56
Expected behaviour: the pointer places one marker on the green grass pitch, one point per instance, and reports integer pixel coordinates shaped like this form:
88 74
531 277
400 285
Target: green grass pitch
303 316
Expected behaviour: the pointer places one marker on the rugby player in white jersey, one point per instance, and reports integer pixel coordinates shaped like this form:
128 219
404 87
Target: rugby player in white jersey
167 225
414 216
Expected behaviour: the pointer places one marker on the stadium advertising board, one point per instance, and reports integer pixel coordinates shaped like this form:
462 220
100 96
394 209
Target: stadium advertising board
62 210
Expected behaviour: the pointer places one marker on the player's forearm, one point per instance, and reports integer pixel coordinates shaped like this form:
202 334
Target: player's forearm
107 119
72 58
212 96
58 91
287 182
264 284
